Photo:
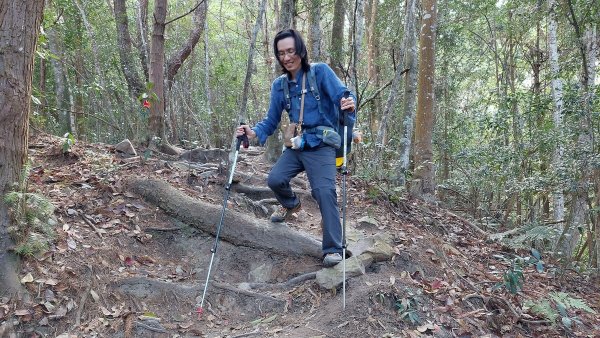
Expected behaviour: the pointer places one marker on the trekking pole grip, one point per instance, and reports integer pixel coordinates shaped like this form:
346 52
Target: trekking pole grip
242 139
345 111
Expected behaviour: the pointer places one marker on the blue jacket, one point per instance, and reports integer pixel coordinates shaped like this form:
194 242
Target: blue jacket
331 90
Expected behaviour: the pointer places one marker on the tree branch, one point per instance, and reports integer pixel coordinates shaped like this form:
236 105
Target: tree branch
186 14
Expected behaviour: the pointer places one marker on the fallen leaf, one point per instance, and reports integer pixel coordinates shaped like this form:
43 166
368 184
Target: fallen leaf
71 243
51 281
105 311
24 312
425 327
185 325
94 295
27 279
270 319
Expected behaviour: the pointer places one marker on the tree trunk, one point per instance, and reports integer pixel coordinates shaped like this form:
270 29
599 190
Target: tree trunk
55 46
176 60
237 228
97 68
587 45
337 38
142 32
286 20
423 184
395 89
287 17
558 200
410 86
372 66
243 115
314 35
358 29
214 118
19 26
134 82
157 74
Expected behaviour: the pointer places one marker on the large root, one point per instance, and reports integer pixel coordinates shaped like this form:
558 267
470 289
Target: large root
237 228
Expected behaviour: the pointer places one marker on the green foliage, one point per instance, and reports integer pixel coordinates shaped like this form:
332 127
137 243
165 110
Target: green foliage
534 234
513 278
31 214
542 308
68 142
557 305
407 309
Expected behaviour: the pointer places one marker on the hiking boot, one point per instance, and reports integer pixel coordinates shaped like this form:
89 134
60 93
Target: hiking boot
283 213
331 259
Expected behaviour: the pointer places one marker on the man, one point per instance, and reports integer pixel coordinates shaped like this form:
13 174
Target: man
314 154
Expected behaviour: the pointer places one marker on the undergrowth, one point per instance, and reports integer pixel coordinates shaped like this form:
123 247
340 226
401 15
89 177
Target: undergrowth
31 214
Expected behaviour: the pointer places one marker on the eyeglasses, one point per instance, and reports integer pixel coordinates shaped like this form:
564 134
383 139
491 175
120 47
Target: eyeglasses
289 52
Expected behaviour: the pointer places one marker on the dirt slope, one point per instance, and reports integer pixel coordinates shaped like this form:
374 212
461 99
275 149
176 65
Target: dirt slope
122 267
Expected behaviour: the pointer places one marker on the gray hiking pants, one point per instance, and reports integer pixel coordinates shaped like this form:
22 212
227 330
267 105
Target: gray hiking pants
319 164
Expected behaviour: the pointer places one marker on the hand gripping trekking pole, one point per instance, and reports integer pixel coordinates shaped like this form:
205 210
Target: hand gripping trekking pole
344 174
243 139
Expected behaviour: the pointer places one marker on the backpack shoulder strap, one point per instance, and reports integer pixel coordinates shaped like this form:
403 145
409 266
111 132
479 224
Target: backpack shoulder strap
312 83
286 92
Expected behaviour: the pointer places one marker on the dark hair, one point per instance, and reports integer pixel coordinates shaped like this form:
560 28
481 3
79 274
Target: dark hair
299 46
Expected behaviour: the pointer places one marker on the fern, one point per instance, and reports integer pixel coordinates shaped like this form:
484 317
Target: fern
570 302
536 233
30 214
543 309
556 306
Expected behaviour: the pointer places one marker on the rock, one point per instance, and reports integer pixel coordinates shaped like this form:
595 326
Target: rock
261 273
125 147
368 223
365 251
330 278
376 246
205 155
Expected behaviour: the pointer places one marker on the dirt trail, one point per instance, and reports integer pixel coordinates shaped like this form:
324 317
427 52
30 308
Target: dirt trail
123 267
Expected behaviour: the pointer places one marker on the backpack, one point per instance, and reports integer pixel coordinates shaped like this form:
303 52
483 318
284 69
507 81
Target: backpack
339 128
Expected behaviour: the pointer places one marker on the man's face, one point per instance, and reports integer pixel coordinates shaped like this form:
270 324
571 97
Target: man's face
287 55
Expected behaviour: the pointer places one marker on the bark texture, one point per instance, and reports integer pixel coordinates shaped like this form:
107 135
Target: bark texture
157 73
134 82
19 27
237 228
423 181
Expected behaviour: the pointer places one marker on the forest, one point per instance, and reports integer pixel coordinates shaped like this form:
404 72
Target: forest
487 111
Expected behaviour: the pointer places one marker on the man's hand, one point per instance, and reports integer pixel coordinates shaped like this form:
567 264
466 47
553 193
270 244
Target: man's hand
347 104
245 129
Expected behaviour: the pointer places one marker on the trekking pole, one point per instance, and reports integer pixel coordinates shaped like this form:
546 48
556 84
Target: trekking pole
344 174
240 139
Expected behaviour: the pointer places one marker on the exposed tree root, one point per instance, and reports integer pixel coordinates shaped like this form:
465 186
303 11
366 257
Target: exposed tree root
237 228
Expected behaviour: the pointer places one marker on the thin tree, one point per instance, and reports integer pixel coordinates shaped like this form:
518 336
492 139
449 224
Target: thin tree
285 20
372 66
423 184
314 35
287 15
358 29
178 58
337 37
558 200
19 27
134 80
243 115
410 86
157 74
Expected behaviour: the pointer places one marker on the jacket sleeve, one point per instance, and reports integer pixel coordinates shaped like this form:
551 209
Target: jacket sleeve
334 87
267 127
